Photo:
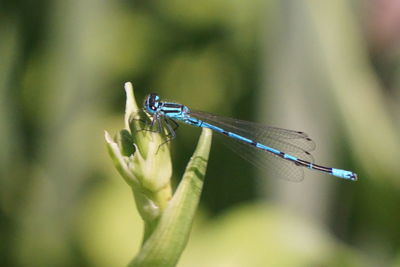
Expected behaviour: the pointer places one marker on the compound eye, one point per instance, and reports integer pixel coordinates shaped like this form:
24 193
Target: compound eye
151 101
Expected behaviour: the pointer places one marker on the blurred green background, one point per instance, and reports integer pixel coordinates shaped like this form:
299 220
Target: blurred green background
329 68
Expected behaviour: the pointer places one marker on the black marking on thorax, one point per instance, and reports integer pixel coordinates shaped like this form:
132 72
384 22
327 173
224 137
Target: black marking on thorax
172 105
169 108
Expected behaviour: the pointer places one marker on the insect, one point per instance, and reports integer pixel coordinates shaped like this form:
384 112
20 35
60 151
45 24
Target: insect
284 151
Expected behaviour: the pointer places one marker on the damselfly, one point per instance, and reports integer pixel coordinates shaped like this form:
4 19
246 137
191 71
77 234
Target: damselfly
262 145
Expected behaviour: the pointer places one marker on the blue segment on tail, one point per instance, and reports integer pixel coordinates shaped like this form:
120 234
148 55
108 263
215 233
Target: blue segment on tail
287 156
344 174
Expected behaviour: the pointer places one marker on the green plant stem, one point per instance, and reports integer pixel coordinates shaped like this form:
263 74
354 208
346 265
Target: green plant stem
166 242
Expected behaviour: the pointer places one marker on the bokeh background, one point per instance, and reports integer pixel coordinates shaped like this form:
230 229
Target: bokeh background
329 68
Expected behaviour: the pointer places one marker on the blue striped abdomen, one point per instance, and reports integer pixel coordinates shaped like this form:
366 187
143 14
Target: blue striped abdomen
299 162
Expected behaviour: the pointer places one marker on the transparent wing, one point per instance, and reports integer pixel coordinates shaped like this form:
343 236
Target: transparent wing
272 164
294 143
